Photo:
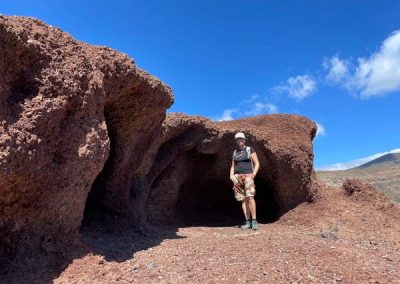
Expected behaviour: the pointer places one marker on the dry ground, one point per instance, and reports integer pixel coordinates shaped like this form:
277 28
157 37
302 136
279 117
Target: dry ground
338 239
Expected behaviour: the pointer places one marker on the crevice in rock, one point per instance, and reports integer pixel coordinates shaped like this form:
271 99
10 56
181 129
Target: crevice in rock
134 126
94 207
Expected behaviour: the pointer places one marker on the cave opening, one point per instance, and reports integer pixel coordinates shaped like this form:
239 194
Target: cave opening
94 209
210 201
195 190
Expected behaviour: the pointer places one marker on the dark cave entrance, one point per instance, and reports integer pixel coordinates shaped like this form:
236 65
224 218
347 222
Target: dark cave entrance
209 201
195 190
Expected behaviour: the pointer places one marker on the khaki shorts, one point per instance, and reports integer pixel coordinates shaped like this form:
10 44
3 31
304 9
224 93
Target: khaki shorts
243 186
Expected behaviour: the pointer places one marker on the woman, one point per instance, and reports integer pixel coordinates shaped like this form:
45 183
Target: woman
244 168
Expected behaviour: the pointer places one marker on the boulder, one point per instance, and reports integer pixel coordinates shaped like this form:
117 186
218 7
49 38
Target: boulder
69 112
83 130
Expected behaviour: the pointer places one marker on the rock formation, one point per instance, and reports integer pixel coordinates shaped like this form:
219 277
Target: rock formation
189 179
82 129
63 103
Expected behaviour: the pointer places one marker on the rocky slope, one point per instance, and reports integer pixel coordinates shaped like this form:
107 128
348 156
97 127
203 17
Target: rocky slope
383 173
388 160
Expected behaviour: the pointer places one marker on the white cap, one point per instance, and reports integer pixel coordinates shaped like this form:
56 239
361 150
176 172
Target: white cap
240 135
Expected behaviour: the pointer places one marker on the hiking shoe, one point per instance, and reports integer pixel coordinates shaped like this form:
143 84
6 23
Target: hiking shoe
254 225
247 225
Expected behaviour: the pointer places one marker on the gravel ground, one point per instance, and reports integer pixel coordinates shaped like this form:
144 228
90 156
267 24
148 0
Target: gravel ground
336 240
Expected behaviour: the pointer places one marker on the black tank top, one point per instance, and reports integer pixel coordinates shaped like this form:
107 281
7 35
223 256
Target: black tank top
242 161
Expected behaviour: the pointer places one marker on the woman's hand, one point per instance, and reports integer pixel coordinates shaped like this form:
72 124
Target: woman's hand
233 179
256 164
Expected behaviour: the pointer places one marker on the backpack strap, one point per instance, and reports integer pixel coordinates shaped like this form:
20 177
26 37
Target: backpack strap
248 152
249 157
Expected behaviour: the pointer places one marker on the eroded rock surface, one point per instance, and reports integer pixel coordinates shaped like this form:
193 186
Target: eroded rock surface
82 129
63 103
189 179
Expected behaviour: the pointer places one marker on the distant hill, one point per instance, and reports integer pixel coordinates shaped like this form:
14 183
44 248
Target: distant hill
383 173
391 159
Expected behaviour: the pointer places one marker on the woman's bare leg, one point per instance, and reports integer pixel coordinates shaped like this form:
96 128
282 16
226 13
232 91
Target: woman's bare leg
252 206
245 207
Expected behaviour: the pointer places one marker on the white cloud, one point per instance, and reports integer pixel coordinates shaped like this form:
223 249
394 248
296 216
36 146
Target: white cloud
320 129
260 108
338 69
355 163
272 108
227 115
298 87
380 73
249 107
372 76
251 99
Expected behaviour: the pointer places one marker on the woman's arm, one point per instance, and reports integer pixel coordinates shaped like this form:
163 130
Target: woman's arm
232 171
256 163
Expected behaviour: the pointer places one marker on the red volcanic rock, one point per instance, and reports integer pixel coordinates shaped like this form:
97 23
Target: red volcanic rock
62 103
189 180
82 128
363 191
355 186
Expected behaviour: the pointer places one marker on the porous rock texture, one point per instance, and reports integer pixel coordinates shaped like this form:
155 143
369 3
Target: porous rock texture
83 130
190 181
68 111
360 190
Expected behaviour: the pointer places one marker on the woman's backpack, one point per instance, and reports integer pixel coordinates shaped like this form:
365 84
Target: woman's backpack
248 152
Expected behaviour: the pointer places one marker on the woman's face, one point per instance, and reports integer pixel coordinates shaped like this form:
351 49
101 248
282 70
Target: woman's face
240 141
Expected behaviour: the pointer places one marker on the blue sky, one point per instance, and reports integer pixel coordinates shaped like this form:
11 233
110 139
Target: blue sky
336 62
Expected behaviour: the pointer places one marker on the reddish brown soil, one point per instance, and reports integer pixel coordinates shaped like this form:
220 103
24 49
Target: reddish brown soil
337 239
